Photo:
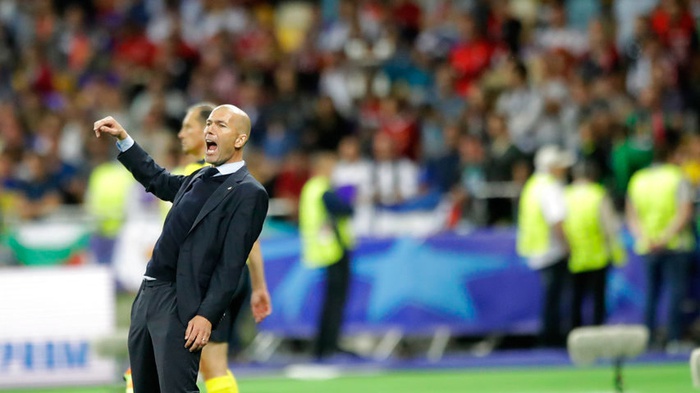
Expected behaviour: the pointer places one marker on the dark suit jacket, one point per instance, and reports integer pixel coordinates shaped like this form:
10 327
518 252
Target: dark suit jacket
216 248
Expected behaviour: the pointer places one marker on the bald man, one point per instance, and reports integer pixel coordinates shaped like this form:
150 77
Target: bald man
217 215
214 362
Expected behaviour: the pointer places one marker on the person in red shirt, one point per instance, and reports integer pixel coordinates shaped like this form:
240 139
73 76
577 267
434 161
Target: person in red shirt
472 55
291 179
400 127
674 25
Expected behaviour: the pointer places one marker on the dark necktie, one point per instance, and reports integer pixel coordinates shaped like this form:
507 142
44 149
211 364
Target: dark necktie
208 172
203 174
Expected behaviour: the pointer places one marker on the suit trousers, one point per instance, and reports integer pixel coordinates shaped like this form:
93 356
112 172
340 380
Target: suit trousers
159 360
333 309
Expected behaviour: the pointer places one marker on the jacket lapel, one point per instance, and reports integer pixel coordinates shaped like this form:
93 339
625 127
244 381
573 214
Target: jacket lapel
219 195
186 186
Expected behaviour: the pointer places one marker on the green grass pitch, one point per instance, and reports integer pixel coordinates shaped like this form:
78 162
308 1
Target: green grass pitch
648 378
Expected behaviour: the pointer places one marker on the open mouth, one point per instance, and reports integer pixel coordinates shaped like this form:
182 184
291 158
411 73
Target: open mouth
211 146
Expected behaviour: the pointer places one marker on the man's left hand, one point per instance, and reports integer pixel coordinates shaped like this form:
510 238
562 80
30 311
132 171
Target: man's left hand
260 304
197 333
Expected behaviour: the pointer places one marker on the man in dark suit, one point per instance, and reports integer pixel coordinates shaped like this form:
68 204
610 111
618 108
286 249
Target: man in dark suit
217 215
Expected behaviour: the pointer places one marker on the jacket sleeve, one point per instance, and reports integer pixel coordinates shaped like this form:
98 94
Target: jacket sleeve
155 178
243 230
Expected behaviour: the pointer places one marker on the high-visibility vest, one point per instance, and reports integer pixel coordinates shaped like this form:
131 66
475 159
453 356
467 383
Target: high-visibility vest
323 241
533 230
654 194
583 226
107 189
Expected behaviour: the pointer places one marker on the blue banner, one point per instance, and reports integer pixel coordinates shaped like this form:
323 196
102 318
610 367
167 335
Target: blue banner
472 284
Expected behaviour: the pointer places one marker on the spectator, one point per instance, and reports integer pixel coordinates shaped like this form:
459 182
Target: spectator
594 145
39 192
632 48
352 174
443 172
394 178
472 54
602 57
469 196
399 124
352 179
443 97
557 35
432 139
157 93
284 116
639 75
673 23
556 98
294 172
474 115
522 106
627 14
407 15
70 182
648 127
411 70
504 163
504 28
335 82
325 128
9 190
337 31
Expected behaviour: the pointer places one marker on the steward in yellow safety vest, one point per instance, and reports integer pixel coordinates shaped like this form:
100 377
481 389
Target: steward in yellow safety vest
541 239
659 213
591 229
326 242
106 196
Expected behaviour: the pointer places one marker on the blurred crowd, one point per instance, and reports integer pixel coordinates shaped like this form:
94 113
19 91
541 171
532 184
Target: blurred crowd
435 107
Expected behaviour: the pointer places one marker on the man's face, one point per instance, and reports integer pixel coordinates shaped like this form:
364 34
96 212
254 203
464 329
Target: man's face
191 134
222 137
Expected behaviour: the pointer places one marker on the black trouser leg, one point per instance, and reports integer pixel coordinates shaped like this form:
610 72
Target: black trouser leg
654 275
160 362
598 286
590 282
677 271
337 283
577 295
141 356
553 278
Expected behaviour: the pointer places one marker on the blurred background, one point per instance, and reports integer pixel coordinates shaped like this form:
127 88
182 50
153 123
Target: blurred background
435 109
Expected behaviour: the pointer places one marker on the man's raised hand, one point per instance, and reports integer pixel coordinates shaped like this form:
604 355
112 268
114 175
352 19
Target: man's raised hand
109 125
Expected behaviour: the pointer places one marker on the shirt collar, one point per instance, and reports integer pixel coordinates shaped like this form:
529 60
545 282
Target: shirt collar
231 167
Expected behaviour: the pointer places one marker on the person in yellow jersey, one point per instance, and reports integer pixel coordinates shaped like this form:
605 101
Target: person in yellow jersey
540 237
327 242
659 210
214 360
592 231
